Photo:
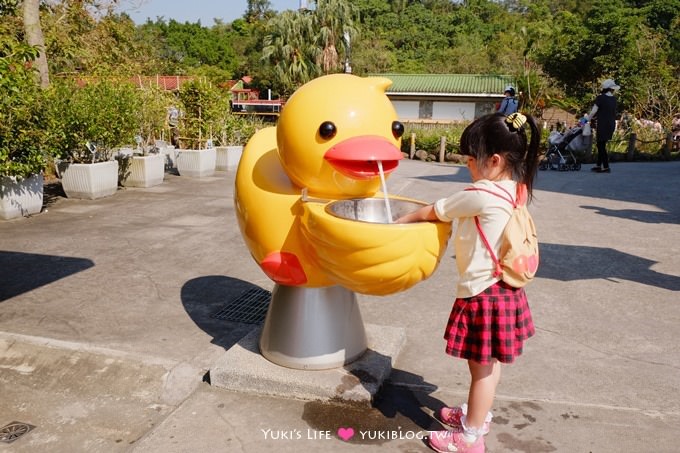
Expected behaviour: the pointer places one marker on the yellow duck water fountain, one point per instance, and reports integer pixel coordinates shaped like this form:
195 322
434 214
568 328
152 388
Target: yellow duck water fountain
310 209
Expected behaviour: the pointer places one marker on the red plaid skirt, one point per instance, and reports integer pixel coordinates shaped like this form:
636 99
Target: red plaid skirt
490 325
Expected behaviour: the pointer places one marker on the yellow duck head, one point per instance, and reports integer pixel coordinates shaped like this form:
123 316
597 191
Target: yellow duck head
334 131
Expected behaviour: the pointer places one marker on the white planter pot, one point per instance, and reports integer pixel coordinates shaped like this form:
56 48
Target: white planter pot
228 157
196 163
146 171
89 181
20 197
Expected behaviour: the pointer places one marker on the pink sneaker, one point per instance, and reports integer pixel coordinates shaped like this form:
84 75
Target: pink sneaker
451 441
453 417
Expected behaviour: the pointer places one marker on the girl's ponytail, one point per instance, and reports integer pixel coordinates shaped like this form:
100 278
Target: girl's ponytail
531 157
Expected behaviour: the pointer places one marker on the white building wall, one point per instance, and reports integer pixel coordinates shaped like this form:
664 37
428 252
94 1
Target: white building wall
453 111
441 110
407 110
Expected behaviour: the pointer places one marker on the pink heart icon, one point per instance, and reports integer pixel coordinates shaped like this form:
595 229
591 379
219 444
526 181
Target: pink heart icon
346 433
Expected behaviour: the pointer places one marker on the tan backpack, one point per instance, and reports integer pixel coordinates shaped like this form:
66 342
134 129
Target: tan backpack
518 259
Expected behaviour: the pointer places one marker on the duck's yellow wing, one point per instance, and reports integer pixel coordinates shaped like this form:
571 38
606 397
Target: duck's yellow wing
374 258
266 204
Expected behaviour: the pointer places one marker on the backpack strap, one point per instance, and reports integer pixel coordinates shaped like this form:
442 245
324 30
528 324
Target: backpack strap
506 196
498 272
499 269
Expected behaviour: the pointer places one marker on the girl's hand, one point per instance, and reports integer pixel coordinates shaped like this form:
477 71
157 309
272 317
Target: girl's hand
426 213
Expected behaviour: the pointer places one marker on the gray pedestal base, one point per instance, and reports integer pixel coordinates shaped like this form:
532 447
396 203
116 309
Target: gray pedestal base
313 328
243 369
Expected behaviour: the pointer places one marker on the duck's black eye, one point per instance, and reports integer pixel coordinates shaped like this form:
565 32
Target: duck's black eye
397 129
327 130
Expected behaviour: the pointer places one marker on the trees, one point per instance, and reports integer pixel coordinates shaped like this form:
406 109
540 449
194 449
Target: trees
335 22
554 48
258 10
614 42
34 37
87 37
190 48
290 50
21 113
304 44
22 119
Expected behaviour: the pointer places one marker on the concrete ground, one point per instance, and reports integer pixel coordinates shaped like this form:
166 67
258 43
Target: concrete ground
107 326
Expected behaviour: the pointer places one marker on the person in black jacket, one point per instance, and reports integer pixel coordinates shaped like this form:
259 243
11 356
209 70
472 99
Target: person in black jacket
605 112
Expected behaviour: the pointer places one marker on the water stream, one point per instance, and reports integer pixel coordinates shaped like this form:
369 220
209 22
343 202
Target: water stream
384 190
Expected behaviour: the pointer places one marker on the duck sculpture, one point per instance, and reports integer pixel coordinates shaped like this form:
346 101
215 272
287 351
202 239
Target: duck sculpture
310 208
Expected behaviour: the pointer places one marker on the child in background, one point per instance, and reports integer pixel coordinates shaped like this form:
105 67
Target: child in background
490 319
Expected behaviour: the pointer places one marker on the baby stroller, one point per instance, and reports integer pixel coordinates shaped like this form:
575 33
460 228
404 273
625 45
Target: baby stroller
561 148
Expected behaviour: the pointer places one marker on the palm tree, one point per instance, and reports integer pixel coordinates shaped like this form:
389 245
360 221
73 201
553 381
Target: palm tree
304 44
334 19
289 48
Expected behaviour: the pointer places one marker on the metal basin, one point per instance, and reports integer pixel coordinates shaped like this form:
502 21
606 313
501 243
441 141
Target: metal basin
372 210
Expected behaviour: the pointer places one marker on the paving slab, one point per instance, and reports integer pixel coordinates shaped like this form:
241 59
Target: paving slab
79 400
243 369
217 420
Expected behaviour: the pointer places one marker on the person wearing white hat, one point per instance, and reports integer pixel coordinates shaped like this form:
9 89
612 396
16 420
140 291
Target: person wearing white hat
605 110
509 103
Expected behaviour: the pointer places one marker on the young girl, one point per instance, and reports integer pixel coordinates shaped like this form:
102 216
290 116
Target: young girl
490 319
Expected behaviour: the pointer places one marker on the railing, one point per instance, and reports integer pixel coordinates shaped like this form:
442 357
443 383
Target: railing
430 124
668 145
257 106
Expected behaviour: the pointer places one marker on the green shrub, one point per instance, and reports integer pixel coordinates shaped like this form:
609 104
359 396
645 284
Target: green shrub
429 138
204 112
153 112
22 120
237 129
104 113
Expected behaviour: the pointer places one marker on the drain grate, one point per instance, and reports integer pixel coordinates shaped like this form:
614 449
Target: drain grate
249 307
13 431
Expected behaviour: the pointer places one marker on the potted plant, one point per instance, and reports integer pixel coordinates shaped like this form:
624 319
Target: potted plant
22 140
202 109
143 166
234 133
146 165
90 120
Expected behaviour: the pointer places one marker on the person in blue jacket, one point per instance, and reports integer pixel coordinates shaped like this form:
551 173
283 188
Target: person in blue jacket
509 103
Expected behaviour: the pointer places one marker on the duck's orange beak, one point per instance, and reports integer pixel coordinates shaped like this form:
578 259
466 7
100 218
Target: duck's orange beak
358 157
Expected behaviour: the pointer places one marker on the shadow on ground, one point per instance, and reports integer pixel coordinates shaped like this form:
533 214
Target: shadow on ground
578 262
30 271
638 215
624 184
398 412
52 192
204 298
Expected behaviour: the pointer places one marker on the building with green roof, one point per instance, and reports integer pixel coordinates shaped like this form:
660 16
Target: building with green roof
445 97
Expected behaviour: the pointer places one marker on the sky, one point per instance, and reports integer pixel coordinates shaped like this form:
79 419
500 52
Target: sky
193 10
